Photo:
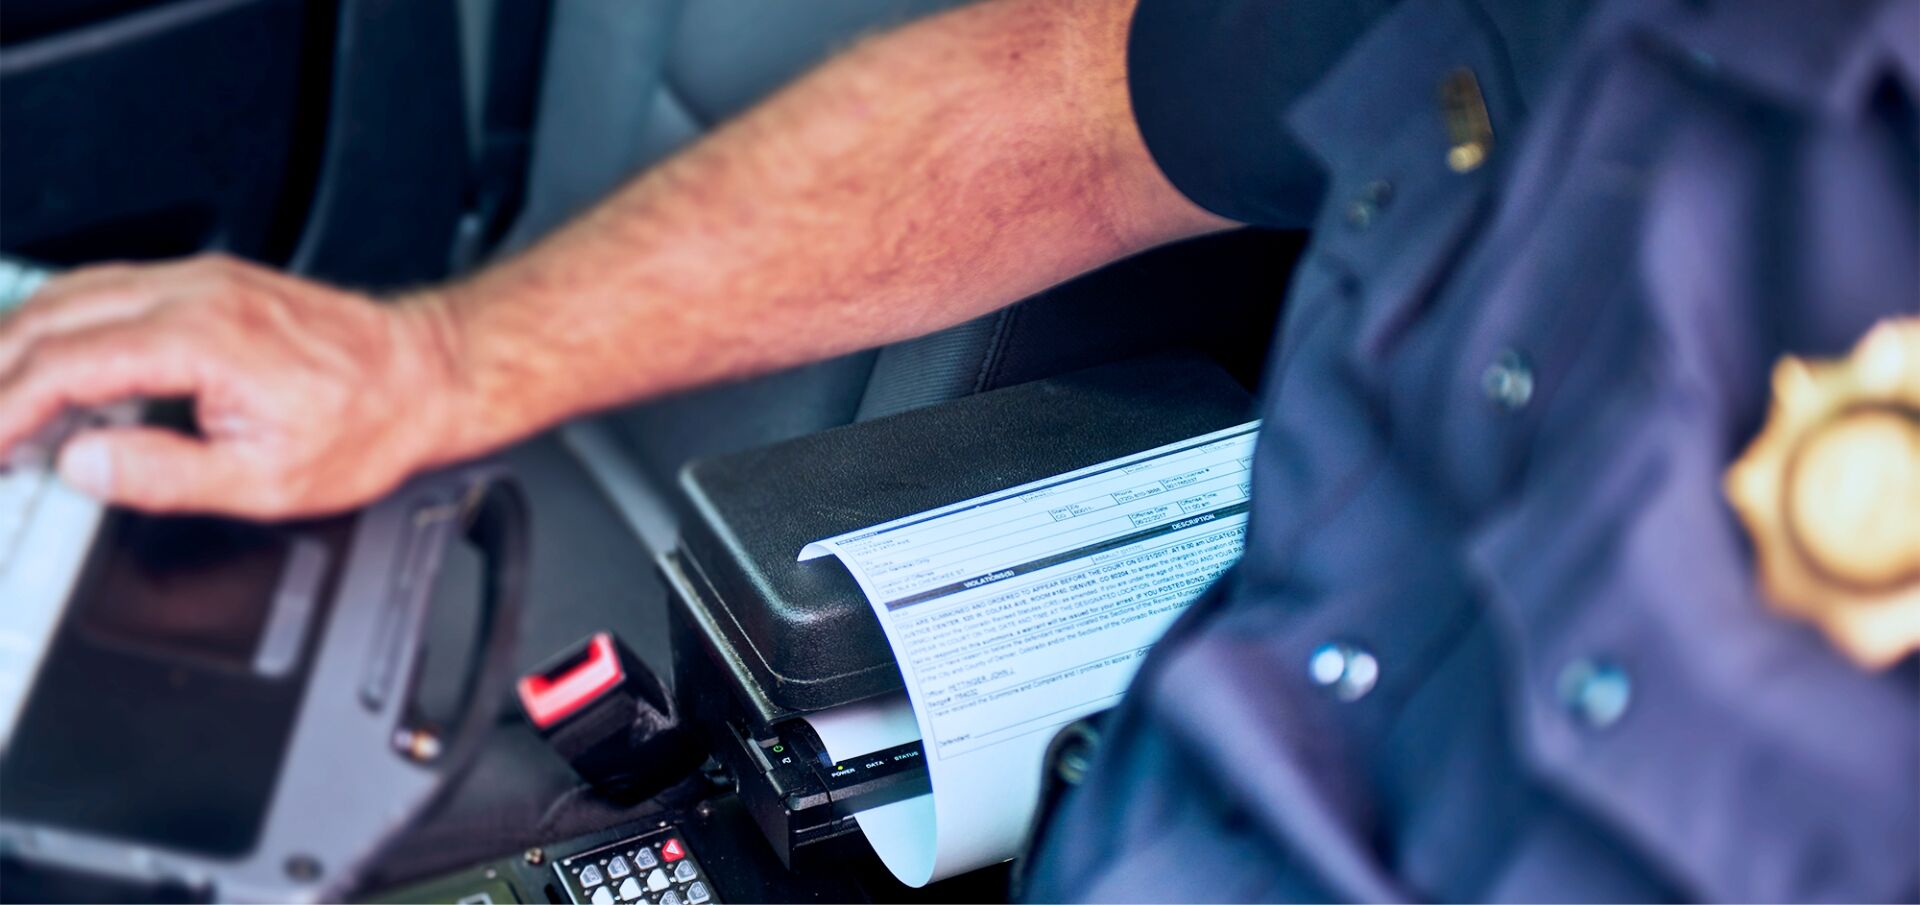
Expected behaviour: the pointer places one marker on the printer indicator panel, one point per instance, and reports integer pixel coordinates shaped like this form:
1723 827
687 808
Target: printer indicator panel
856 772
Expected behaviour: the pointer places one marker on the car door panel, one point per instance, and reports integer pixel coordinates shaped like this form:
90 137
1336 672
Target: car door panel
324 135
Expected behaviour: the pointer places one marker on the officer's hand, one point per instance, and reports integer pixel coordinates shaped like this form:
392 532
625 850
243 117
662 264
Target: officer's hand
309 400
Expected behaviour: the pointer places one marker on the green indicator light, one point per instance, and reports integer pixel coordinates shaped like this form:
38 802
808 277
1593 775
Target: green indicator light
779 748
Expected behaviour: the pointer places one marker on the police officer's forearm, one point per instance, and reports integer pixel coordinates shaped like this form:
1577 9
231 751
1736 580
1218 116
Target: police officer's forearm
922 178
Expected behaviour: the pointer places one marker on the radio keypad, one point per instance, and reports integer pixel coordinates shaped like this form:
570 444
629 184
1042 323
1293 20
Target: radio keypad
655 869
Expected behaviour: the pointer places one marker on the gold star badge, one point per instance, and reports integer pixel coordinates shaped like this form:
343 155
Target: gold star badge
1830 492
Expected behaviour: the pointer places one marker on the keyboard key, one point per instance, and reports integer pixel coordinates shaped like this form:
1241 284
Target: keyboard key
644 859
657 880
590 876
683 872
19 490
672 898
697 894
603 896
630 889
618 868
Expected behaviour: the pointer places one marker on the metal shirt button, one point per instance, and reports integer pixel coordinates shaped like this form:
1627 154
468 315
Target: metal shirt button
1508 381
1074 751
1597 693
1346 671
1368 202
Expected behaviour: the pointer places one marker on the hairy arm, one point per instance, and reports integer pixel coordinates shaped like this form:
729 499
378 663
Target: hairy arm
921 178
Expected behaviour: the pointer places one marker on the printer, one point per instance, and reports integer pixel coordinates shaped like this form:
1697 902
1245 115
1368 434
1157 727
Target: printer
762 641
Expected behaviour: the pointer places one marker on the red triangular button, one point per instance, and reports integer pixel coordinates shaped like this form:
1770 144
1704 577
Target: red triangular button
672 851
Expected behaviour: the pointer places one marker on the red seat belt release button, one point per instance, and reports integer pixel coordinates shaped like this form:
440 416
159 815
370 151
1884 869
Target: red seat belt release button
549 697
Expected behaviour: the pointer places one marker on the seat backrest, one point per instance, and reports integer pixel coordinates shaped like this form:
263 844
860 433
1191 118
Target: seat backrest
628 82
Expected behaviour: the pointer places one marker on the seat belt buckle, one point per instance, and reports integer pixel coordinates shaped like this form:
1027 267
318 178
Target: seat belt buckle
586 676
609 717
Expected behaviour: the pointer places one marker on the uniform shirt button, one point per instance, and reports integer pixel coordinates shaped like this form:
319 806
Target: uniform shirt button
1346 671
1073 752
1368 202
1595 692
1508 381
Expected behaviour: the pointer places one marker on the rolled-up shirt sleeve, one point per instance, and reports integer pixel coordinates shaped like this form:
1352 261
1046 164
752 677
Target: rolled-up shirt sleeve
1211 82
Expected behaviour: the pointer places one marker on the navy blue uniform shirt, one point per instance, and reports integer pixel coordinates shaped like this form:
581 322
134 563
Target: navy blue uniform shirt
1497 633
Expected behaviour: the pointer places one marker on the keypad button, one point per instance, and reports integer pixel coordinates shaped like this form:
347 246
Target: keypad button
645 859
603 896
698 894
683 872
672 898
672 851
630 890
589 876
657 880
618 868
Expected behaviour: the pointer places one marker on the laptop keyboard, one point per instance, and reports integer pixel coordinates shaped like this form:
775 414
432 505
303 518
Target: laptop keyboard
27 476
46 529
20 492
23 475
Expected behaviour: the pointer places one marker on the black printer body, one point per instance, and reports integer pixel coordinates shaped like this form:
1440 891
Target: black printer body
762 640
